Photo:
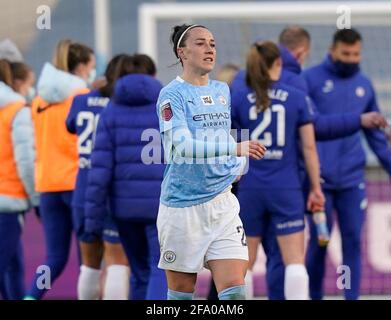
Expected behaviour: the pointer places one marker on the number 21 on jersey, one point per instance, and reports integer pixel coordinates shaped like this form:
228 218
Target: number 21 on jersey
263 128
86 139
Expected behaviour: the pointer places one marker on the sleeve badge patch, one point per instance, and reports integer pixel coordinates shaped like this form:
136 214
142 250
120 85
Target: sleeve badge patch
166 112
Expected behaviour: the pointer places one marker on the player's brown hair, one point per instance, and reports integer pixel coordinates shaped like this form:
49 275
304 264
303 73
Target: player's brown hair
259 60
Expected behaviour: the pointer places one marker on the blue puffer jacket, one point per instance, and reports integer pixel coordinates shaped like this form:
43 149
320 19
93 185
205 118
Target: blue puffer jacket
117 173
343 160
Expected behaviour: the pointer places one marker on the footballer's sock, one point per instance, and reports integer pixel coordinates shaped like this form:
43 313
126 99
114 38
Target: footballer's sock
249 285
296 282
88 283
117 283
176 295
233 293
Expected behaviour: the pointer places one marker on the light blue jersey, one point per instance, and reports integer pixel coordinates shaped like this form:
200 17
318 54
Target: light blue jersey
195 123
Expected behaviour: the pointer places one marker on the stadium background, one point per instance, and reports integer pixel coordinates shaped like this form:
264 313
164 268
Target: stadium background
75 19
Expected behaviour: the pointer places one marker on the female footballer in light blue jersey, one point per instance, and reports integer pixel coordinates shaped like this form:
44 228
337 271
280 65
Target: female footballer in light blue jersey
198 221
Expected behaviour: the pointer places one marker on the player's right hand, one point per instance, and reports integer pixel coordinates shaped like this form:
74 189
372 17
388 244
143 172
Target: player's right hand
370 120
252 149
316 200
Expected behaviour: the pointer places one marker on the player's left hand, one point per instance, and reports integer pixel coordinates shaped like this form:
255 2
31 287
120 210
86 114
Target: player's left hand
370 120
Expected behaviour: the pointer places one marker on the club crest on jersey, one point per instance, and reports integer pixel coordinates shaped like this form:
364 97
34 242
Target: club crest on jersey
207 100
360 92
166 111
222 100
328 86
169 256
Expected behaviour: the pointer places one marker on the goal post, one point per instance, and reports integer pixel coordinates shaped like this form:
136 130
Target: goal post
326 11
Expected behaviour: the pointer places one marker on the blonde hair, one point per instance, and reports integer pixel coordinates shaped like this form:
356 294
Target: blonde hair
69 54
60 57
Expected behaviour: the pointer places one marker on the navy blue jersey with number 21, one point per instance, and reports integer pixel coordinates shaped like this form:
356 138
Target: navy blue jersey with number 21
277 128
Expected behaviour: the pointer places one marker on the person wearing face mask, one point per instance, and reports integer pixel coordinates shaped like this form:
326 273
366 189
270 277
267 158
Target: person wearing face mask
57 159
294 46
336 86
17 193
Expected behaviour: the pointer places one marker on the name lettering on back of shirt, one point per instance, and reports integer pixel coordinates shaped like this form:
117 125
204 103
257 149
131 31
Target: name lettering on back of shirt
278 94
98 101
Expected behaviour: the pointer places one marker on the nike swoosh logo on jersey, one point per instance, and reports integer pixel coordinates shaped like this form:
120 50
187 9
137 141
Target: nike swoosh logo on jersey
39 109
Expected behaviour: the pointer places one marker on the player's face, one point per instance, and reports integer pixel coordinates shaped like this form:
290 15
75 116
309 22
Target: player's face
23 86
84 69
302 53
200 52
346 53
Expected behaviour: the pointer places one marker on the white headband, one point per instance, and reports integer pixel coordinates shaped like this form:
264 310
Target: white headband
183 34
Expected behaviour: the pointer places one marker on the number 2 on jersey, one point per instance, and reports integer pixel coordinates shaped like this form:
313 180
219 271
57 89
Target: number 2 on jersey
87 137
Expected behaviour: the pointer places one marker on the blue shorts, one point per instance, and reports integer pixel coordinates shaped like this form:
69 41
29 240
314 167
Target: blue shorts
110 231
283 209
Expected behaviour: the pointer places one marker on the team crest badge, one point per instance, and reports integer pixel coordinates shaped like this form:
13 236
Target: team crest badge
360 92
328 86
222 100
166 112
169 256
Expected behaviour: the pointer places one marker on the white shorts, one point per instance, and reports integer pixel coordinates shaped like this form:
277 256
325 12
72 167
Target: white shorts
190 237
